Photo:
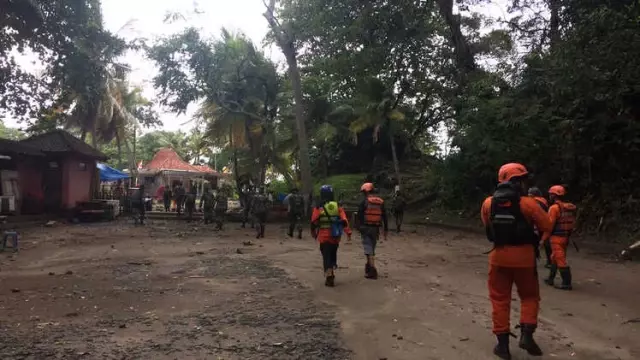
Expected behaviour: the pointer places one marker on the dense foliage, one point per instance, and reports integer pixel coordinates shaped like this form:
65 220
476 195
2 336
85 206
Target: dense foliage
435 95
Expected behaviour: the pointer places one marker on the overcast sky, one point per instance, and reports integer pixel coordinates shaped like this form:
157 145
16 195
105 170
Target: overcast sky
144 18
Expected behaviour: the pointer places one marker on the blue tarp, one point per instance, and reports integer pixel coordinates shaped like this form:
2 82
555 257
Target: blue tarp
108 173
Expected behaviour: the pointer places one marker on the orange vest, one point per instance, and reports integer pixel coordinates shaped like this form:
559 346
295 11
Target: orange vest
565 224
373 211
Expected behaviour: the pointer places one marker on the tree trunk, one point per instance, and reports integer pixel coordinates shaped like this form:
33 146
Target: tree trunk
464 57
394 156
119 146
554 21
285 41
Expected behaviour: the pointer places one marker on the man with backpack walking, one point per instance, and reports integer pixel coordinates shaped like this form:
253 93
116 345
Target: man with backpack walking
536 194
563 218
509 217
295 210
328 222
371 216
259 211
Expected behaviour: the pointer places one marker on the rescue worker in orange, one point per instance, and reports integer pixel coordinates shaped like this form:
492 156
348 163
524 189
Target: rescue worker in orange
371 216
563 219
509 217
328 222
536 194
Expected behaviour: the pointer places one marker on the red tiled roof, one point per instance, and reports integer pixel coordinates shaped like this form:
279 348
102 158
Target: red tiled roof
205 169
168 159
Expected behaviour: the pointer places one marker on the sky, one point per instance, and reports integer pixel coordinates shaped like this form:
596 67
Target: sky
133 19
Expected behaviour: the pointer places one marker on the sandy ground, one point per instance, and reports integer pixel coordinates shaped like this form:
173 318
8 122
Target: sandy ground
176 291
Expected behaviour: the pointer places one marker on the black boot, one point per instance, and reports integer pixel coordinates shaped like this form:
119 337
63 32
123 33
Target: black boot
552 275
262 227
501 349
526 340
565 274
372 274
330 281
367 269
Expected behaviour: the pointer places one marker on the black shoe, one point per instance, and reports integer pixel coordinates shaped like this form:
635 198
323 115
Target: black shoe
565 274
552 275
330 281
367 270
501 349
290 234
526 340
373 273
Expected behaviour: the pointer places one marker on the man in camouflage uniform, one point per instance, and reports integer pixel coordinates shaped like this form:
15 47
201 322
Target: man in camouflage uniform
220 208
247 199
179 197
207 203
398 205
190 203
259 206
295 209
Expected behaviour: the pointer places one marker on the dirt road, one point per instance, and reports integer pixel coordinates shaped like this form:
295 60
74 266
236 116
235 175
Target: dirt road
114 291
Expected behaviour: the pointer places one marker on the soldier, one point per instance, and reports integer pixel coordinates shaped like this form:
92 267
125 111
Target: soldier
220 208
207 202
247 198
179 196
166 198
295 210
399 204
190 203
138 202
259 211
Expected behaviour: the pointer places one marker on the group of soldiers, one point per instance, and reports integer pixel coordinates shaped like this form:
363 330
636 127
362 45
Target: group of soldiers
213 204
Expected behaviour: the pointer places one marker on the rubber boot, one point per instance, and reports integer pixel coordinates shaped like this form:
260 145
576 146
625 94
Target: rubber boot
552 275
373 273
262 227
565 274
330 281
526 340
367 270
501 349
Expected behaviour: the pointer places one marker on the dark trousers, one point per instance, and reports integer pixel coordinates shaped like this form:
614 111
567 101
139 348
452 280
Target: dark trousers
220 218
399 215
261 219
329 255
295 220
167 204
547 250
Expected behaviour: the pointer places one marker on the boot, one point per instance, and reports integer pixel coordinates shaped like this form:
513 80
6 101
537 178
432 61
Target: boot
372 274
552 275
330 281
262 227
501 349
526 340
565 274
367 269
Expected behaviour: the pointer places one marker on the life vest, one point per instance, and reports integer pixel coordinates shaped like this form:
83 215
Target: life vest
330 218
566 223
543 203
507 225
373 211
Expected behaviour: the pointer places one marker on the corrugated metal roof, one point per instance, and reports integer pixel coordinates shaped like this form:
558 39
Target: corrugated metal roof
12 147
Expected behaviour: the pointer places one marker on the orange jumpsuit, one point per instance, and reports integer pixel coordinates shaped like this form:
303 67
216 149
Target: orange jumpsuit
562 216
515 264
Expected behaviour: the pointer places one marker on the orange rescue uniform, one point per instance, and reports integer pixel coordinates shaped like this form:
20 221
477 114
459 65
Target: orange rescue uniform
563 217
515 264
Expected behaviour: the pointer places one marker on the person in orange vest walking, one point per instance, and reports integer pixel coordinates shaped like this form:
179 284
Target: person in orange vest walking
536 194
509 217
371 216
563 218
328 222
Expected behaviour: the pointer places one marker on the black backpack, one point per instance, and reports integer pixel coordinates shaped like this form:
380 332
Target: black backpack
507 225
296 201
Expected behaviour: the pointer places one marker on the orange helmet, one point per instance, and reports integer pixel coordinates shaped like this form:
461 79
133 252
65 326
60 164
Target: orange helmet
557 190
367 187
510 171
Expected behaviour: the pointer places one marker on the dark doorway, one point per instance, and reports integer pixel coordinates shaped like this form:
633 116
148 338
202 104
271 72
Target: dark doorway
52 186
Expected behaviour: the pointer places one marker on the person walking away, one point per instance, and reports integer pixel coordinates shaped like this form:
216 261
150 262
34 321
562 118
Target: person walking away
180 195
221 206
259 211
536 194
371 216
138 204
166 198
190 203
247 199
399 204
563 219
295 210
207 203
509 217
328 222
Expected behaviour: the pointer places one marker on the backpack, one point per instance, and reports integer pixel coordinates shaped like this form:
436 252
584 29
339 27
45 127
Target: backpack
507 225
330 218
258 205
296 203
